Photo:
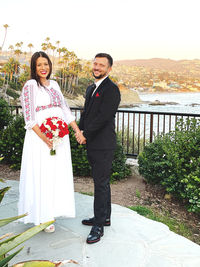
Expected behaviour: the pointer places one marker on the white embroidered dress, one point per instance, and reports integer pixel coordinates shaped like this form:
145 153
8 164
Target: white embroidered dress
46 182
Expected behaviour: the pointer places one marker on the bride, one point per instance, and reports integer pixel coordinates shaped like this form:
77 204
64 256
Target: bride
46 182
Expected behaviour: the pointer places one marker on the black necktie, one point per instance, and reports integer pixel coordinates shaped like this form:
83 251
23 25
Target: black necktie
93 86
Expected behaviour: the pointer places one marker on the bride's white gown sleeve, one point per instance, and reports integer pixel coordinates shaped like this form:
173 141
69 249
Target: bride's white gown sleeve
46 188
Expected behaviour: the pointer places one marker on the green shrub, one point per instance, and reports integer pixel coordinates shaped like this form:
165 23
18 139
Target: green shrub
11 145
12 93
119 169
15 85
80 163
173 160
5 115
81 166
1 81
11 142
153 164
131 145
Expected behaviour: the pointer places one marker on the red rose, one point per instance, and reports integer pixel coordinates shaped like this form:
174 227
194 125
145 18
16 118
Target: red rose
43 128
53 127
49 135
61 134
59 122
66 130
49 122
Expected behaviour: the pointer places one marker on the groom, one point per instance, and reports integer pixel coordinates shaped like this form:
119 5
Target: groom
97 123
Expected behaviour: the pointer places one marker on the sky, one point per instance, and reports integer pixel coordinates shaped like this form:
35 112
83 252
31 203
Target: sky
127 29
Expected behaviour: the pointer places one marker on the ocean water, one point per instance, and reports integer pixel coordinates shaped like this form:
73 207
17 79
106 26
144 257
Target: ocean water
185 102
139 124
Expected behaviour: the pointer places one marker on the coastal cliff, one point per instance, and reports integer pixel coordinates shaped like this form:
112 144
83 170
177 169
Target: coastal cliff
129 98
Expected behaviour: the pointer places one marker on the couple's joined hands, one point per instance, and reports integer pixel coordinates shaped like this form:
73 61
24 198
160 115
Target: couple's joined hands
80 137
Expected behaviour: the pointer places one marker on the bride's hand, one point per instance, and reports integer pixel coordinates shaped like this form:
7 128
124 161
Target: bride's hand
48 142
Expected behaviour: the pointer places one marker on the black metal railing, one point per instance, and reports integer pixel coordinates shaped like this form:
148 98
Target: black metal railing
137 128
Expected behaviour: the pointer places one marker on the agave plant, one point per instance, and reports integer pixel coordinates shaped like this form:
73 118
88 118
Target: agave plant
43 263
12 241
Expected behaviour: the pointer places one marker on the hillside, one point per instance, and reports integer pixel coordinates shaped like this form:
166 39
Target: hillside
163 64
159 75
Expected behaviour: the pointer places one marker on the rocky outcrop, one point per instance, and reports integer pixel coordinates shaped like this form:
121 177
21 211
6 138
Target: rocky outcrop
129 98
158 102
76 102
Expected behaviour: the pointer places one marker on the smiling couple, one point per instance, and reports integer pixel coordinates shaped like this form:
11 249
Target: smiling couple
46 181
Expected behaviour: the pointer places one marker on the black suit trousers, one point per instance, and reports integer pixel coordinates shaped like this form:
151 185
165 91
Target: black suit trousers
101 164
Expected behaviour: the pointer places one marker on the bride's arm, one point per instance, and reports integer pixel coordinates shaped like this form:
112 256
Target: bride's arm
37 130
27 98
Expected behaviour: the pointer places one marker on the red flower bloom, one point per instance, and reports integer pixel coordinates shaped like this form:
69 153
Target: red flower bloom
61 134
60 123
53 127
43 128
49 135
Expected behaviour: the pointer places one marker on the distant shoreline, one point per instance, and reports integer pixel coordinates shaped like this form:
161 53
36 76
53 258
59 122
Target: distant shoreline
166 92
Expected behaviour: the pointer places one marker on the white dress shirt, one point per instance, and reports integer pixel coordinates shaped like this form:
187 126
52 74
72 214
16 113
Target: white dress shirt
98 83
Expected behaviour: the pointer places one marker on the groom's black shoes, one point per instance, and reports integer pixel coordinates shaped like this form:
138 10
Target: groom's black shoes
95 234
90 222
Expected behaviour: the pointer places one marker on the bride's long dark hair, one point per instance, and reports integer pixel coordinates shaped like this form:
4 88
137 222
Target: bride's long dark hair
34 58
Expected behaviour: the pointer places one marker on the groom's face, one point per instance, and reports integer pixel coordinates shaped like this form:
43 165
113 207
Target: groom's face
101 67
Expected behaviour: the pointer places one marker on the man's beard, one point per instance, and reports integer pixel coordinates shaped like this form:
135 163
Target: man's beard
100 76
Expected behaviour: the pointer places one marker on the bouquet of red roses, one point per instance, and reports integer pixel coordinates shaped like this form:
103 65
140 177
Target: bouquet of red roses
55 129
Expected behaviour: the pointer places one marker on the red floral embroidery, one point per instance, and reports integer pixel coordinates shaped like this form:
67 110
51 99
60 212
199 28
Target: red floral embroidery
27 107
55 97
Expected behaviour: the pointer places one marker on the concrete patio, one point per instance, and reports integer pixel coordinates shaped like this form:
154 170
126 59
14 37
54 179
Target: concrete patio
131 240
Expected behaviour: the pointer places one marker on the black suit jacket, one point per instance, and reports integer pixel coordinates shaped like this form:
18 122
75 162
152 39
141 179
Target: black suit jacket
98 117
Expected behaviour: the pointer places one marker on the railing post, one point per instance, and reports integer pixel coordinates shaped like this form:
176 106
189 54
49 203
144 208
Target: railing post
151 128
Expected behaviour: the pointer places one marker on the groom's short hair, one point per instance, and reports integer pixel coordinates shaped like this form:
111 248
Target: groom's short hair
109 58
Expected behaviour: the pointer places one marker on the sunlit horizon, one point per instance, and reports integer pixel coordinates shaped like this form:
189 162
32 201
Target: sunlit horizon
130 30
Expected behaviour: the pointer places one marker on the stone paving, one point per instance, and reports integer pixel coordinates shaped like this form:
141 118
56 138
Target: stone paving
131 241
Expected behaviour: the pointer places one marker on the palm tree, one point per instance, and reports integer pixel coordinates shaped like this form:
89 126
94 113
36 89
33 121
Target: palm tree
6 27
59 50
11 47
65 70
19 45
44 46
5 70
30 46
17 52
47 39
86 70
48 44
25 54
58 44
11 67
24 75
74 69
53 48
